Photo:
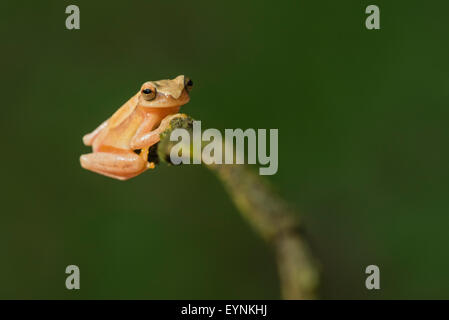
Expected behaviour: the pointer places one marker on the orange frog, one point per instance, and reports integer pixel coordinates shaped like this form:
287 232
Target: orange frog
120 144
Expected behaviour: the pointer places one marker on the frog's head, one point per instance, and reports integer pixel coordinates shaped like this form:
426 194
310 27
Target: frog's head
165 93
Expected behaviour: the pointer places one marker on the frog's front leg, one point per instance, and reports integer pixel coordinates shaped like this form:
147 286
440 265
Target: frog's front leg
89 138
145 139
122 166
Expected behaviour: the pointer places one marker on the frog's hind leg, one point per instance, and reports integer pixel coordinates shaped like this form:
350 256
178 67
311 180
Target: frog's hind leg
89 138
120 166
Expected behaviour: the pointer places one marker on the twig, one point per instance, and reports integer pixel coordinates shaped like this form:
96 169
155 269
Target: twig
270 216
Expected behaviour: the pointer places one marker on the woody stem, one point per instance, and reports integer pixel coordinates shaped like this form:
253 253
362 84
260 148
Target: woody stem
269 215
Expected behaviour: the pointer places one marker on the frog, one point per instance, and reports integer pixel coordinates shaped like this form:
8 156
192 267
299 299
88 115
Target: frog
122 143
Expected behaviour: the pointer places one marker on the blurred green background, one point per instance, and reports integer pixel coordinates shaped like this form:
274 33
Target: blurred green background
362 118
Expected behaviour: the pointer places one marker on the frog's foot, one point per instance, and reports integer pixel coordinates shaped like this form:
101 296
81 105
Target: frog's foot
165 123
120 166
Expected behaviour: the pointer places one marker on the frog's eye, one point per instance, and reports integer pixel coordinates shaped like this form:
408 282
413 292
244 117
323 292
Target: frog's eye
149 93
188 83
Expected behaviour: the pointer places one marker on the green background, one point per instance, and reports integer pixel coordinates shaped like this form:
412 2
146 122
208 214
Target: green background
362 118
